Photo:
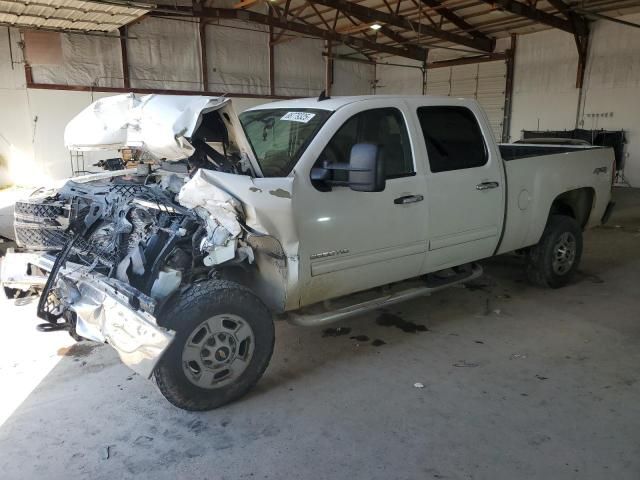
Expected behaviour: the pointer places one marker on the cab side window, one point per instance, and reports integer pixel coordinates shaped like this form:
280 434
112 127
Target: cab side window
453 137
384 127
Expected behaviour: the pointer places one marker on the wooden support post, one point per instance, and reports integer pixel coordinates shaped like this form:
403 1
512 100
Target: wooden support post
203 55
508 92
328 78
28 74
126 82
424 72
582 44
272 73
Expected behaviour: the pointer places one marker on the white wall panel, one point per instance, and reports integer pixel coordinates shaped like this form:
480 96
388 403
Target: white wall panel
164 54
54 109
392 79
237 59
545 96
612 85
299 67
351 78
11 61
439 81
544 93
464 81
86 60
492 78
15 129
483 81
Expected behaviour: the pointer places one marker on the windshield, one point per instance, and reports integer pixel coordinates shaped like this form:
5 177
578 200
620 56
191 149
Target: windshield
279 136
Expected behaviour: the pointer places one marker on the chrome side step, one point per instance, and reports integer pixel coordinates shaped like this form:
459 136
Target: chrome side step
328 312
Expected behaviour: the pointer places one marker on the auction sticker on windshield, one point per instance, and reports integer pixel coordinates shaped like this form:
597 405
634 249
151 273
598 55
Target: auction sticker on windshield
302 117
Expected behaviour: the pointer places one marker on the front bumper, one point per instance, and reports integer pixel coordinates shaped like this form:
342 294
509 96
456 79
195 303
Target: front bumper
104 313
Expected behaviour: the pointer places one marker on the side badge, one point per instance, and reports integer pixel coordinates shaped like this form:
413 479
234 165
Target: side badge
332 253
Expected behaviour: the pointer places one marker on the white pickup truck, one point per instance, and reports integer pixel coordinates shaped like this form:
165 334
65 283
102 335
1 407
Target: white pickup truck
308 210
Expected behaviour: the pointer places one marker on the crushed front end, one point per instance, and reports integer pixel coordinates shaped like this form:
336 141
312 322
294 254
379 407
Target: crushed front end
108 251
111 252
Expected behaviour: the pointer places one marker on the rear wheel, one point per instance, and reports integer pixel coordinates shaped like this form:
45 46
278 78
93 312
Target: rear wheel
554 260
223 344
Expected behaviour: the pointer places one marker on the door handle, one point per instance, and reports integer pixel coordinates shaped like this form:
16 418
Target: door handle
487 185
408 199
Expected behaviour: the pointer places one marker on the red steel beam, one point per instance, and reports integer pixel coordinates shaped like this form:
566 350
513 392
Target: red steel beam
407 51
532 13
370 14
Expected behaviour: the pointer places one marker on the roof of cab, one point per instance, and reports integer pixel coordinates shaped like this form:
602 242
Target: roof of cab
334 103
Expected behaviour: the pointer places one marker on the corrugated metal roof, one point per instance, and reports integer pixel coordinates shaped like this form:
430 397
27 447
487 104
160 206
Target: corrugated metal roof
73 15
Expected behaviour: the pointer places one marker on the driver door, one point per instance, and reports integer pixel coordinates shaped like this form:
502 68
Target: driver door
352 241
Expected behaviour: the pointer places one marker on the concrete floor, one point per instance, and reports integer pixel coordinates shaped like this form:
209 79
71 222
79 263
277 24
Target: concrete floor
519 383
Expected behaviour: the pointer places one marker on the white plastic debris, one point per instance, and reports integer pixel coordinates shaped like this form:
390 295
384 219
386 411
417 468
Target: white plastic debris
166 283
221 212
245 252
418 385
222 208
218 255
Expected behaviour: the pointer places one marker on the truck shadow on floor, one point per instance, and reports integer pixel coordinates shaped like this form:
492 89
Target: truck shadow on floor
442 313
302 352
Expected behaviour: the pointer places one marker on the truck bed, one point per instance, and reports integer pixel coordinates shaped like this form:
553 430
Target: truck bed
537 179
512 151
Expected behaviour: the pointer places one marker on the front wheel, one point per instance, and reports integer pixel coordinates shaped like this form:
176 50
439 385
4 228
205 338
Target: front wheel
223 344
554 260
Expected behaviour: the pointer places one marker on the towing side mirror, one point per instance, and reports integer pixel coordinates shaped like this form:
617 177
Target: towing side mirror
365 167
366 170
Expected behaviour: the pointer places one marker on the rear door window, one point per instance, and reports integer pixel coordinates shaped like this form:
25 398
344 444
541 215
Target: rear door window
453 138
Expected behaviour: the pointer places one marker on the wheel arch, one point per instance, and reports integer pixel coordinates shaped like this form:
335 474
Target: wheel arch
576 203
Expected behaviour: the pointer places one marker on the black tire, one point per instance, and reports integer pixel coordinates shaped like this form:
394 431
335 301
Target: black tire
540 268
185 314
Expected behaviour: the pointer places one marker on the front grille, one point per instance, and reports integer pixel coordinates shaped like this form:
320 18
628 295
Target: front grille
40 237
41 226
128 189
50 215
38 210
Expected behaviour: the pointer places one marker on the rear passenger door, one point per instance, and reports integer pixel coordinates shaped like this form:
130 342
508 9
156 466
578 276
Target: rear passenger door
465 187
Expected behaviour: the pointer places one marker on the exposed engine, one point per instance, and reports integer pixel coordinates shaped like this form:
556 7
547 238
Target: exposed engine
143 233
130 231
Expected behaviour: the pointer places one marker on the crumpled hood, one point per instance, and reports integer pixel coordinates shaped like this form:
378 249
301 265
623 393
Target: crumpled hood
158 124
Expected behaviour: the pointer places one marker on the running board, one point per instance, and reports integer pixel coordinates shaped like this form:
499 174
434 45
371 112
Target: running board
328 312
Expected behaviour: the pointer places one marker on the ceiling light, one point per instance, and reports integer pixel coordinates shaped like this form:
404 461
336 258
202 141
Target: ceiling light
376 26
